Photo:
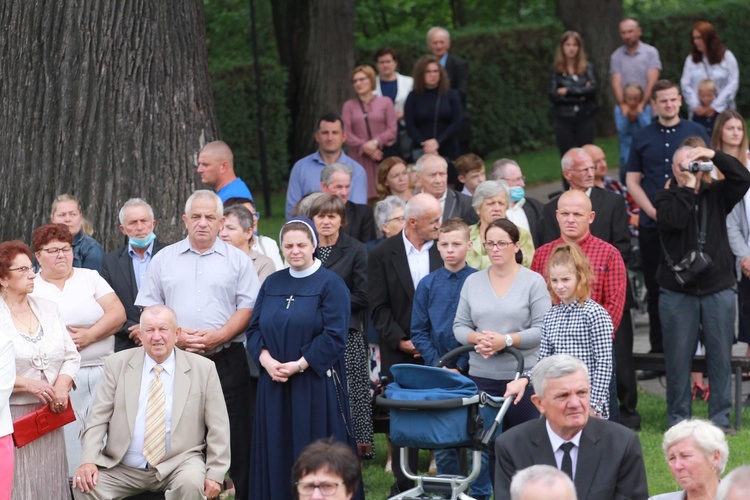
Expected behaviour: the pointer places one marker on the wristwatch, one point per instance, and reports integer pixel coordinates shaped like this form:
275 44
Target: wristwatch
508 341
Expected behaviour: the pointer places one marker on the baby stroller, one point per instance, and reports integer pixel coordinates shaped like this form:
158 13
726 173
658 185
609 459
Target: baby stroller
432 408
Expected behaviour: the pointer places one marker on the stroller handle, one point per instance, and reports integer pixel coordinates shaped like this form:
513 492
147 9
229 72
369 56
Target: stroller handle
442 404
470 348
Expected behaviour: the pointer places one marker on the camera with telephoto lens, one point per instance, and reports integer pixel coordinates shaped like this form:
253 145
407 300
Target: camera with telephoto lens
700 166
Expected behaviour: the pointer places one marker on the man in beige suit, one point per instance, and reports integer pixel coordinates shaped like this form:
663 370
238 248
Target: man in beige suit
161 410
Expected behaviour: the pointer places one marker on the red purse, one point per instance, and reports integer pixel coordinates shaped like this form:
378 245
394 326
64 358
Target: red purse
38 423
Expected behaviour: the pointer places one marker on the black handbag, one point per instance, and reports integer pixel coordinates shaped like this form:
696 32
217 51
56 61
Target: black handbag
695 262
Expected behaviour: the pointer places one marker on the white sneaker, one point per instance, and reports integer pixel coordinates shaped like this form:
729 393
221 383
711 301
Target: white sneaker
388 468
433 467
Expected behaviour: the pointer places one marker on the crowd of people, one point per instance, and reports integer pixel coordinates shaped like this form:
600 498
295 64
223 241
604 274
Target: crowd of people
183 363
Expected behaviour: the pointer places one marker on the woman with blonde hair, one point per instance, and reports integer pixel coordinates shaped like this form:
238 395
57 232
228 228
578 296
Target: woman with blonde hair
87 252
370 124
572 91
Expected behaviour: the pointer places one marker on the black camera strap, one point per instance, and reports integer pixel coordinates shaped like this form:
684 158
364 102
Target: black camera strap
701 228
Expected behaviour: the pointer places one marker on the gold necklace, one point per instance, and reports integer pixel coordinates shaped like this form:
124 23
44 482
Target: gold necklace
27 325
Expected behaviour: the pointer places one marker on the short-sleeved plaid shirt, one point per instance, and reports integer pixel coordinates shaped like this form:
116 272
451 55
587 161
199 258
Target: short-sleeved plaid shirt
611 277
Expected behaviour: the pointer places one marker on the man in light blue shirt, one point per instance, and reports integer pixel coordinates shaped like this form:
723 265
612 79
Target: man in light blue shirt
212 287
305 176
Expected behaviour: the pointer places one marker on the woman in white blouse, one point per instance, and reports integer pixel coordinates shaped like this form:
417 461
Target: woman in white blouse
91 312
709 59
46 362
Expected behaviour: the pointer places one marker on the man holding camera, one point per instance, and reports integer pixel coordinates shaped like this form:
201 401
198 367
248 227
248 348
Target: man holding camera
696 275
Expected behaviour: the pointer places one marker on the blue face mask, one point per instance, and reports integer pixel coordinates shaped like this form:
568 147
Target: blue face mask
517 193
142 242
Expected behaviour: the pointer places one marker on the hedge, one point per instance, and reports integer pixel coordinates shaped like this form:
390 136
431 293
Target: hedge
235 106
508 87
509 69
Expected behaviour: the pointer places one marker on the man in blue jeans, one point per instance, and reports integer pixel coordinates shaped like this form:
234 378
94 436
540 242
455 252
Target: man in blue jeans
691 216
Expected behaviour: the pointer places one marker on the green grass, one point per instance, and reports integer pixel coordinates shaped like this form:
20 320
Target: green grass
543 165
653 411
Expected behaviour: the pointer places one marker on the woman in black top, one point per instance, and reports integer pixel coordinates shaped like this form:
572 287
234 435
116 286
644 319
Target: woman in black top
347 257
572 91
433 111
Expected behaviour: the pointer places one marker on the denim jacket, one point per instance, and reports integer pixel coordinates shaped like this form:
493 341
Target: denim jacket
87 252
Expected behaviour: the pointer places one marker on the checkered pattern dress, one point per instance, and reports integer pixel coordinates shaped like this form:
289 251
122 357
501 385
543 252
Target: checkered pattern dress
586 333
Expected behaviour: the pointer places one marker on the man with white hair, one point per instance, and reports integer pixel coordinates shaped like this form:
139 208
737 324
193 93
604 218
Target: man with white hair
432 171
439 43
125 268
336 178
212 287
542 482
604 459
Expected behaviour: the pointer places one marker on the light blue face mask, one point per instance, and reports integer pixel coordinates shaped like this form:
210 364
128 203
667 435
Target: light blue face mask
517 193
142 242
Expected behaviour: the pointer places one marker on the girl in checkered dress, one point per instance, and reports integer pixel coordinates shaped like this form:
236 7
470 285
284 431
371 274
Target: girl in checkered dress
576 325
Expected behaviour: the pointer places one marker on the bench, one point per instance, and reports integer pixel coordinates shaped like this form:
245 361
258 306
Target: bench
740 364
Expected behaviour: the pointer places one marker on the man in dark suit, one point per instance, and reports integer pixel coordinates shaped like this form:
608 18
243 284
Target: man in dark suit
125 268
439 43
603 458
524 212
336 179
433 175
610 225
394 270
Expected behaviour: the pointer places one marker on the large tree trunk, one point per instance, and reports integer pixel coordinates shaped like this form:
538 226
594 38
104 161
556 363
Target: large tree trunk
598 23
316 43
104 100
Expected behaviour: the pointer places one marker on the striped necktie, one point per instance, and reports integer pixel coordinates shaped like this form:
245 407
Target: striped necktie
155 438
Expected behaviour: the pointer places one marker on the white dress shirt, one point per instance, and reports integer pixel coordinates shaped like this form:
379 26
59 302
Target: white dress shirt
419 260
557 441
134 456
517 216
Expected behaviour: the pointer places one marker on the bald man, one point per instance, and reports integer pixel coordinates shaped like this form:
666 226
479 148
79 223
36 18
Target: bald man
394 269
216 168
575 217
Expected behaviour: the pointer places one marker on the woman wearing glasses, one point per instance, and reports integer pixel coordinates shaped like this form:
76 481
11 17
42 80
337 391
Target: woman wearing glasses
490 201
325 469
91 312
501 306
46 362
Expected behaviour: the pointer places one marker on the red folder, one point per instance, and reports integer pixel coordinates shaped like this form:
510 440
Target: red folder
38 423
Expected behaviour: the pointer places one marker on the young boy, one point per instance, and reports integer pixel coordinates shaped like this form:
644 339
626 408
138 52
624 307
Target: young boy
630 123
706 95
470 168
435 304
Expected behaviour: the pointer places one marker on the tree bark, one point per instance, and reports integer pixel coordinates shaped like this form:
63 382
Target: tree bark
316 44
104 100
598 23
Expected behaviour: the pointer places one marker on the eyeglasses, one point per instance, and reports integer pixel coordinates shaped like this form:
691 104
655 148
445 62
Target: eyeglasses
256 215
357 80
55 251
24 269
492 245
517 179
328 489
400 219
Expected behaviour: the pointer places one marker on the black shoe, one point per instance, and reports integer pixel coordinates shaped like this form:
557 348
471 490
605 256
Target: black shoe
649 374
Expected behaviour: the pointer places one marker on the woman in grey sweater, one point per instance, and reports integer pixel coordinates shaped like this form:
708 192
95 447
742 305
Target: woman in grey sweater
503 305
